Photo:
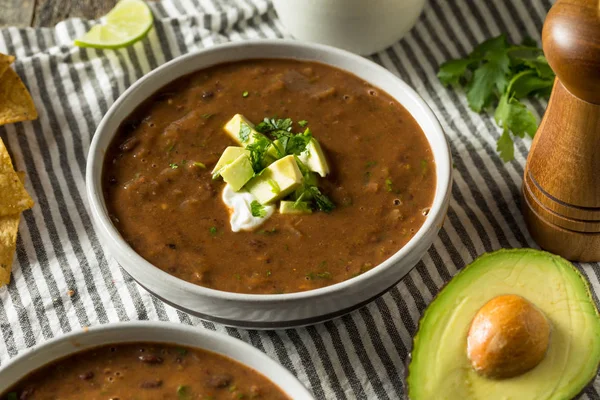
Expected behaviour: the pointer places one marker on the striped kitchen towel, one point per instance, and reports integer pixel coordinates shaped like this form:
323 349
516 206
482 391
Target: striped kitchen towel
64 279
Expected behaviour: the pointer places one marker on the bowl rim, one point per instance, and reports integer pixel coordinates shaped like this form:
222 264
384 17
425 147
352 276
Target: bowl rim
96 197
97 332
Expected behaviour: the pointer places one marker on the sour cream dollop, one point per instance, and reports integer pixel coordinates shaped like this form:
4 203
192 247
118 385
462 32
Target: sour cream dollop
240 211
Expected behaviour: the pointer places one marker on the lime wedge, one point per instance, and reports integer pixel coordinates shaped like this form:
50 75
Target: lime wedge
126 23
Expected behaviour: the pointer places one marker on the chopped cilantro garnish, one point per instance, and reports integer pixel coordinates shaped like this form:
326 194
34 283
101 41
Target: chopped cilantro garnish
184 392
213 230
309 190
199 164
181 351
258 151
173 165
371 164
183 162
245 131
237 276
323 202
170 148
388 185
274 186
296 144
274 125
268 272
257 209
499 73
245 94
281 129
320 275
303 123
207 115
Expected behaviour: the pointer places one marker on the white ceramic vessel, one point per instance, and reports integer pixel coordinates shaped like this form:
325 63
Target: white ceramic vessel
274 310
360 26
163 332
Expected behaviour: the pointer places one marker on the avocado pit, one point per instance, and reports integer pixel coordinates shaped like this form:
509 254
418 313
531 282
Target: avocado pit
508 337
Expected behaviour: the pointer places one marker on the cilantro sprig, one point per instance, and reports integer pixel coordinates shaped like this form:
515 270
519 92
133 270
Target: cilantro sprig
257 209
499 74
310 191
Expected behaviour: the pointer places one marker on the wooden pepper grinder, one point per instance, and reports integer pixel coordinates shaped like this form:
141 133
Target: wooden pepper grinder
561 186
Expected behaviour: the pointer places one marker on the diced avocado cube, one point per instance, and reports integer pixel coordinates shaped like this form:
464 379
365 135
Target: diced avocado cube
238 173
233 129
276 181
290 207
314 158
228 156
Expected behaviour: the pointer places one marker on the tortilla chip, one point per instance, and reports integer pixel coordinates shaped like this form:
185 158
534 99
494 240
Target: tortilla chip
9 226
13 196
5 61
16 104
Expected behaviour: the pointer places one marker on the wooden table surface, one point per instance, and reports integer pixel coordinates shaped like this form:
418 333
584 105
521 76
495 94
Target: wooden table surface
23 13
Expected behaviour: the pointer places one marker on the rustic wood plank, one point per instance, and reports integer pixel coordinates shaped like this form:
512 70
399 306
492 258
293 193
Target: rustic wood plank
51 12
16 12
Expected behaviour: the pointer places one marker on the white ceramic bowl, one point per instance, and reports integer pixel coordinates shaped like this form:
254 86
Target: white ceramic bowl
360 26
163 332
273 310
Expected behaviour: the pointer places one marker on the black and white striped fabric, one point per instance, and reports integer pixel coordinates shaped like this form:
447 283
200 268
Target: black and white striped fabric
63 279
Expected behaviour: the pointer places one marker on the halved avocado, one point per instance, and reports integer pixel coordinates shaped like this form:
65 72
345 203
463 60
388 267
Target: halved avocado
441 367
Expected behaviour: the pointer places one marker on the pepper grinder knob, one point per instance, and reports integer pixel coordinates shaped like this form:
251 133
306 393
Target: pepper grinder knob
561 185
571 42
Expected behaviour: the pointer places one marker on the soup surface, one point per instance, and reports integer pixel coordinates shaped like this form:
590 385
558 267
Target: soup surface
144 371
169 209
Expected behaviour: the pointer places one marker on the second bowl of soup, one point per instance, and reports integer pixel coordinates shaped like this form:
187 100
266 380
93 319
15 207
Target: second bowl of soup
269 183
146 360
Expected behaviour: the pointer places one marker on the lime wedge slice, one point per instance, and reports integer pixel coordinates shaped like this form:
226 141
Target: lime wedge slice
126 23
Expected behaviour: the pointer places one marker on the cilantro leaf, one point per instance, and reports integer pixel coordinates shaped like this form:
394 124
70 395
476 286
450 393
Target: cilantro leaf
451 71
491 45
257 209
303 123
270 125
245 131
530 58
323 202
527 82
506 147
492 74
296 144
258 151
512 115
184 392
309 191
281 130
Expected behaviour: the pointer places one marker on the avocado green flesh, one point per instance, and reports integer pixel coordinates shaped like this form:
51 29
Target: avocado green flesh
440 368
